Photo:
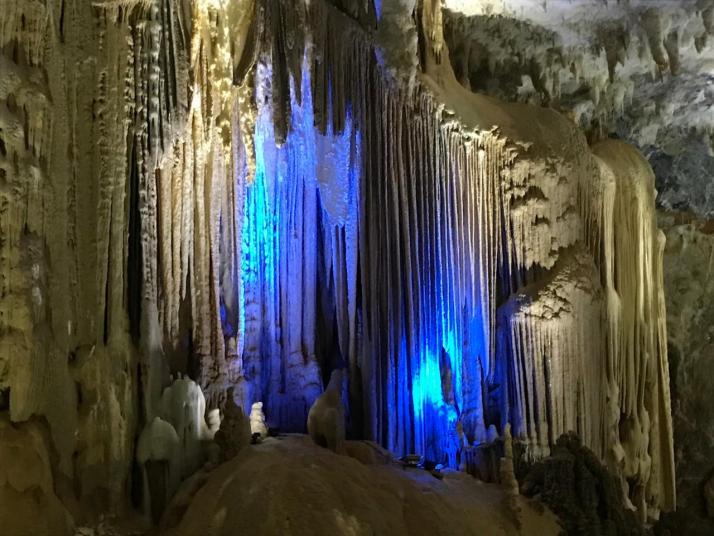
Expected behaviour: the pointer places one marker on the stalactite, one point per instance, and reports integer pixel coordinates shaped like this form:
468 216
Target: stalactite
638 375
552 333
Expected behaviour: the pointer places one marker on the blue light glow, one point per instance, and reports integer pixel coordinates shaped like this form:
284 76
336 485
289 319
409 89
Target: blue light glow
311 178
300 219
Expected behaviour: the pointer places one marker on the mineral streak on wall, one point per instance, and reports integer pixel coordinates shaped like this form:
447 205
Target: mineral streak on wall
246 193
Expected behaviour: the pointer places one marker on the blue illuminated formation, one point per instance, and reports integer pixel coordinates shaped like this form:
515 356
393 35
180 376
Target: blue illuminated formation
325 283
298 212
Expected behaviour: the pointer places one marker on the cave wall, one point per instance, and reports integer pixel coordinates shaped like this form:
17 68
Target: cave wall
639 71
689 288
203 189
66 351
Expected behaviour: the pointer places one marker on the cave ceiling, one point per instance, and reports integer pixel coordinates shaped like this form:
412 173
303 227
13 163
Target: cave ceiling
641 70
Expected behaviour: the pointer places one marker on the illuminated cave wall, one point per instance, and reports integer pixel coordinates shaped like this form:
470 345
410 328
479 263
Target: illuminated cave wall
252 194
346 255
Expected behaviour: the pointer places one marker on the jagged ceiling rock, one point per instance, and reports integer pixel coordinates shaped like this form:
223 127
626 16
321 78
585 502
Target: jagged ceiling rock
638 69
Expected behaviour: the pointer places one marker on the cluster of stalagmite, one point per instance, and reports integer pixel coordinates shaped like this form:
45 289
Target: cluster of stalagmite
236 191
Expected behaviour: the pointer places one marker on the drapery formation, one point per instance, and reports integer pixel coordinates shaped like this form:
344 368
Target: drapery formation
234 190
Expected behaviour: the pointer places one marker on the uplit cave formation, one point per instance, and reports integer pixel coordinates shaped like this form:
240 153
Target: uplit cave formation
356 267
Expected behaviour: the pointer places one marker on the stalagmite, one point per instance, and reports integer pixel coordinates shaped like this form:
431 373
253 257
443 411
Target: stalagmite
326 419
157 452
257 420
508 475
175 444
236 429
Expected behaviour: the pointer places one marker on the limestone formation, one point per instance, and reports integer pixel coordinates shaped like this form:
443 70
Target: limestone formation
326 419
27 488
257 420
175 444
640 70
158 453
247 194
508 476
235 431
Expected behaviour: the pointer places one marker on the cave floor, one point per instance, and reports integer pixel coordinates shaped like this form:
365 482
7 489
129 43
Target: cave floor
290 486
